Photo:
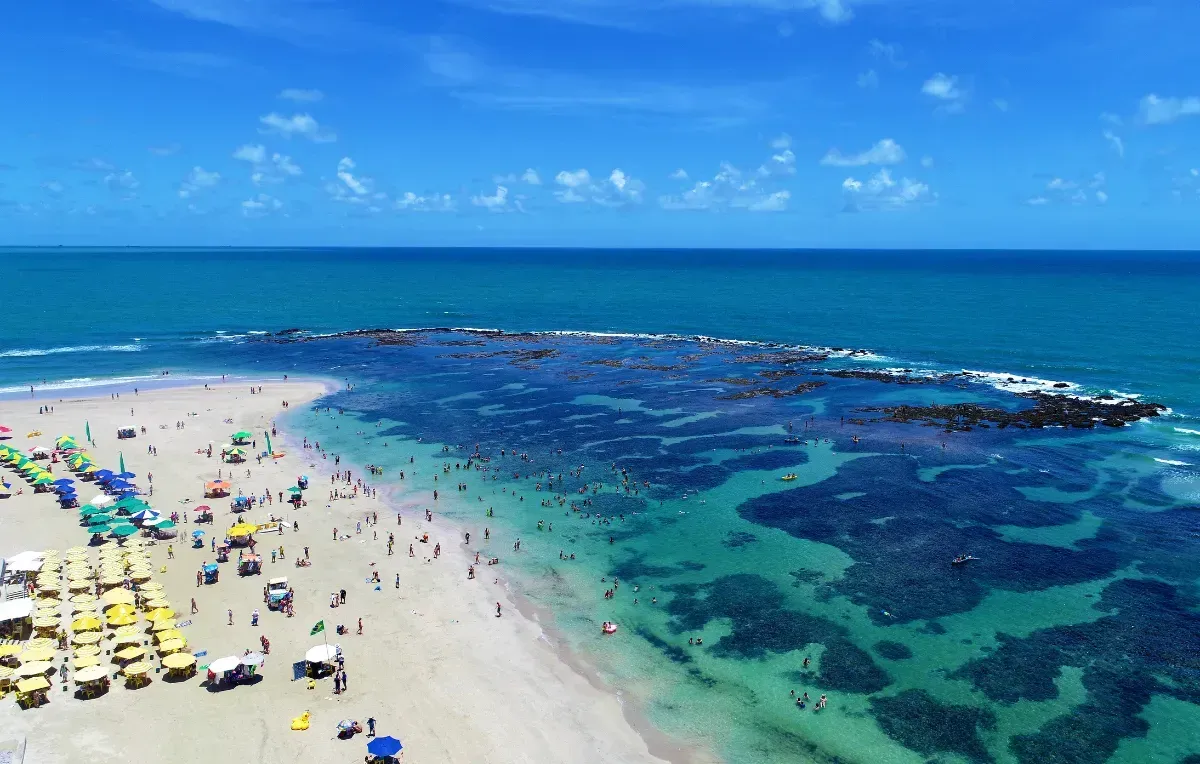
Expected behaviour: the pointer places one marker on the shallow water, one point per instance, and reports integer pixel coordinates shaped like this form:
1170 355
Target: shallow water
1037 652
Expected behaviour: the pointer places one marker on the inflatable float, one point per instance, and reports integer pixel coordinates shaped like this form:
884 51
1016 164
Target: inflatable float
609 628
301 722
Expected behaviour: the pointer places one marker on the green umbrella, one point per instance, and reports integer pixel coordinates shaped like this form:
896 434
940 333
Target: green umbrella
101 528
88 510
240 436
103 517
165 525
296 489
123 530
131 504
43 481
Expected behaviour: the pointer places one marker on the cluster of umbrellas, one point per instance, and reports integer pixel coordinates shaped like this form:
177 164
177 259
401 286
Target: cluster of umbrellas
122 518
32 472
101 609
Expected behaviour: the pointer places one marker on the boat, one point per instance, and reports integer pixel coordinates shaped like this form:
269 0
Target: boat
963 559
791 439
788 477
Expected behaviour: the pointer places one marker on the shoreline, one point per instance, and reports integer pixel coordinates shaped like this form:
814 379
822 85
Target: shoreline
660 745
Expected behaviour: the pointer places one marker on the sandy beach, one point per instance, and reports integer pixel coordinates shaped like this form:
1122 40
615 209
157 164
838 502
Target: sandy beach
434 666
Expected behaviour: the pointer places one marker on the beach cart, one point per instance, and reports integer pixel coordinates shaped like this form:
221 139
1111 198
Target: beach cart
211 573
123 433
223 553
250 564
277 592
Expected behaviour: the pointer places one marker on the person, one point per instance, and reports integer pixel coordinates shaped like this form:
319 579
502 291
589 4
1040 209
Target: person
342 593
397 580
360 626
497 610
194 608
371 727
170 551
230 616
254 617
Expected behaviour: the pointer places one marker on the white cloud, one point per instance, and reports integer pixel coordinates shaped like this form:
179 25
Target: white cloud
947 91
868 79
927 161
255 154
302 125
432 203
1115 141
1111 119
731 188
95 165
531 177
359 185
887 51
573 179
1155 110
680 174
1037 201
775 202
53 187
882 192
301 96
1000 104
1067 191
198 179
1058 184
262 204
1101 197
783 163
497 202
834 11
783 141
884 152
122 182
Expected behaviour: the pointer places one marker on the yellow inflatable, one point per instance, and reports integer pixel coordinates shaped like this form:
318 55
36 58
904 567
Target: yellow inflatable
301 722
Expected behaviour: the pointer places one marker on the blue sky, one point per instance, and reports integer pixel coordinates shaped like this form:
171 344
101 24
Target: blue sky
794 123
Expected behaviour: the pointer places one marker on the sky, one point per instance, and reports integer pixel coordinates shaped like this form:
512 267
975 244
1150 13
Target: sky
606 123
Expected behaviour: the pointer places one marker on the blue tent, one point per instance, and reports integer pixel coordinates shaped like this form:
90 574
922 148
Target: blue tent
384 746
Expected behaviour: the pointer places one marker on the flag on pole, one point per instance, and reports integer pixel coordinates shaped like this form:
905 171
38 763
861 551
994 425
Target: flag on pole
122 455
318 628
270 450
87 431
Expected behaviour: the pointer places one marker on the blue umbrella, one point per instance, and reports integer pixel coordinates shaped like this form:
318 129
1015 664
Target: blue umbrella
384 746
103 474
63 481
120 484
126 475
197 534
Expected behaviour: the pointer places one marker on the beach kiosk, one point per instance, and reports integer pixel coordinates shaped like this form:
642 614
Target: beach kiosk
250 564
277 592
124 433
211 573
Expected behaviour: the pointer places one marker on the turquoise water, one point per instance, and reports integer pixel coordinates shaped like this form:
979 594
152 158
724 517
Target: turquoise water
1073 638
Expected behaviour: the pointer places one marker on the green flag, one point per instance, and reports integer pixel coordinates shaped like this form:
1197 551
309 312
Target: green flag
267 435
87 431
320 627
122 456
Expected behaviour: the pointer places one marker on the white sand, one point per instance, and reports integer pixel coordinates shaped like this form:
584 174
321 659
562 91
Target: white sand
435 667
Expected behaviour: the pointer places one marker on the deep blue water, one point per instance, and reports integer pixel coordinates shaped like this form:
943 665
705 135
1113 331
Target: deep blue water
1073 638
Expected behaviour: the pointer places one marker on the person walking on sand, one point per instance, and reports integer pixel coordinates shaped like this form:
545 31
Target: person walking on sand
497 610
371 727
195 609
360 626
230 616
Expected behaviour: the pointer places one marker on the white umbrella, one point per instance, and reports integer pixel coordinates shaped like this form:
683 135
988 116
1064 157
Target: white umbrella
103 500
253 659
221 665
321 654
145 514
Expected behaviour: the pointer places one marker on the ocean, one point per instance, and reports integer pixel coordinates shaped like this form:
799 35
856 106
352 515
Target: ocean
633 418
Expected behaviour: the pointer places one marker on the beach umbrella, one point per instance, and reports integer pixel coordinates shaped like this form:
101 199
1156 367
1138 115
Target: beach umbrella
87 662
178 660
37 654
124 475
83 599
122 620
90 673
120 609
160 614
241 529
165 525
87 510
145 514
165 634
166 624
384 746
63 481
103 500
118 596
172 645
197 534
124 530
7 651
129 653
295 489
134 669
101 528
240 435
253 659
221 665
86 638
321 654
86 623
34 669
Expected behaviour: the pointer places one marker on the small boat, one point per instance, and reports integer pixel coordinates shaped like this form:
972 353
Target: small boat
789 477
609 627
963 559
791 439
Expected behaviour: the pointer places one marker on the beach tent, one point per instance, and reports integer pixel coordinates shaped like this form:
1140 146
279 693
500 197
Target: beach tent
321 654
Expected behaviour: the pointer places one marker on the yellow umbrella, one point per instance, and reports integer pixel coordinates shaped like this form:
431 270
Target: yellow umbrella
127 639
241 529
168 634
7 650
130 629
77 550
172 645
153 586
139 574
116 610
76 585
33 685
49 588
46 612
87 651
37 654
122 620
39 643
81 599
160 614
85 623
118 596
179 660
164 624
35 668
49 553
133 669
6 672
45 622
88 609
129 653
85 662
86 638
156 603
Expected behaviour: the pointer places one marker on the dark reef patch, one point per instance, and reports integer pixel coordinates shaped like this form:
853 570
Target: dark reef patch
917 721
893 651
1048 410
761 625
1153 631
